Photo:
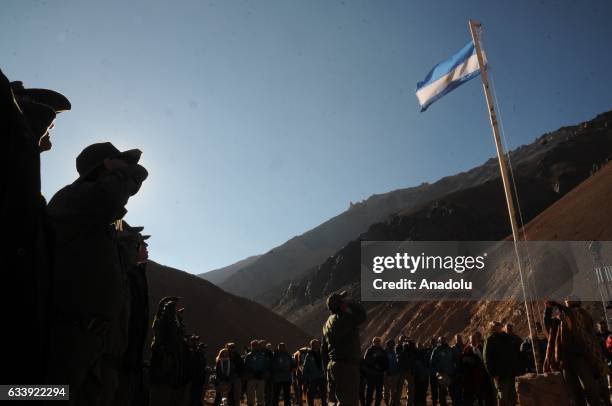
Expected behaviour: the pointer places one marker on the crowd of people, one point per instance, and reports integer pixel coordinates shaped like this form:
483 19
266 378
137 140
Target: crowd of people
78 273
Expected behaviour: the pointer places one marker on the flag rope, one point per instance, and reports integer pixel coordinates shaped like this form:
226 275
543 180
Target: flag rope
533 287
476 30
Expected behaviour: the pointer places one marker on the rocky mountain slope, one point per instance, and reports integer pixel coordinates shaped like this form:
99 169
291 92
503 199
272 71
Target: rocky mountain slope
218 276
218 316
581 215
561 159
553 165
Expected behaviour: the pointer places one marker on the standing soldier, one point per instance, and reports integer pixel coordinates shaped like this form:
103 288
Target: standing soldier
134 256
26 117
89 335
342 349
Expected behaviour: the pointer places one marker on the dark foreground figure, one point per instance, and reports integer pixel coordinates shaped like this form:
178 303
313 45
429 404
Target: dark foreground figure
26 118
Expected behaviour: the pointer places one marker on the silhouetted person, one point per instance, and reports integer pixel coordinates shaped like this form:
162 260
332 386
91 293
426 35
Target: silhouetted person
134 255
282 365
238 363
444 366
375 367
167 355
573 349
313 374
474 376
26 117
392 374
502 360
89 336
342 349
406 358
256 366
224 373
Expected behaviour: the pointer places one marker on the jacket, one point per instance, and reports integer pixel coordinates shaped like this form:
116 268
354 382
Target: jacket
443 360
313 368
341 335
501 356
282 367
375 362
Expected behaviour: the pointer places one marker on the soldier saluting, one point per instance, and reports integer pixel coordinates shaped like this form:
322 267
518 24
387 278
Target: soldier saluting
342 349
89 284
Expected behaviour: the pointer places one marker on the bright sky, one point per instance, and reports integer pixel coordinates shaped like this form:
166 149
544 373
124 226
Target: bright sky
261 119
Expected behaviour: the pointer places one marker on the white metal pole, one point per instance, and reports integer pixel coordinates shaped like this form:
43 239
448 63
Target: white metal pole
474 27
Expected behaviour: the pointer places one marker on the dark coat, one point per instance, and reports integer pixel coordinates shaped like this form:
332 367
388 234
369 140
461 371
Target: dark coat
501 355
225 370
90 285
257 364
238 362
313 368
139 317
443 360
282 366
27 253
375 362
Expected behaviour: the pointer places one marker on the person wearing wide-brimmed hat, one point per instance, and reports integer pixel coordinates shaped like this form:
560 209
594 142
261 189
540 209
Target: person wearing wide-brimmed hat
341 348
134 255
24 126
89 284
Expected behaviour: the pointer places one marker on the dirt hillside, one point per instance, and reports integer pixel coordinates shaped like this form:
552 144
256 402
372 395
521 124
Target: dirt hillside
218 316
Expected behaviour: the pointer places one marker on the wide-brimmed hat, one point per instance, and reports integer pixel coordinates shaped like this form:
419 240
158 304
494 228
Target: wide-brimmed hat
38 116
55 100
93 156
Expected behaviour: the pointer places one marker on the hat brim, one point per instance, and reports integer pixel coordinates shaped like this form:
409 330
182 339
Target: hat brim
55 100
131 156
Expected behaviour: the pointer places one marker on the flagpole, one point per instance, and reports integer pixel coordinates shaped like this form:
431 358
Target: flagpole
474 26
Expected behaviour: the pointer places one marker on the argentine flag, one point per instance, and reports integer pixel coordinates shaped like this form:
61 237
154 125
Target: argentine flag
448 75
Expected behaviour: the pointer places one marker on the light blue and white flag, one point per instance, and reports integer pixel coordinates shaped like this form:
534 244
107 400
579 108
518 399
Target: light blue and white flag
448 75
